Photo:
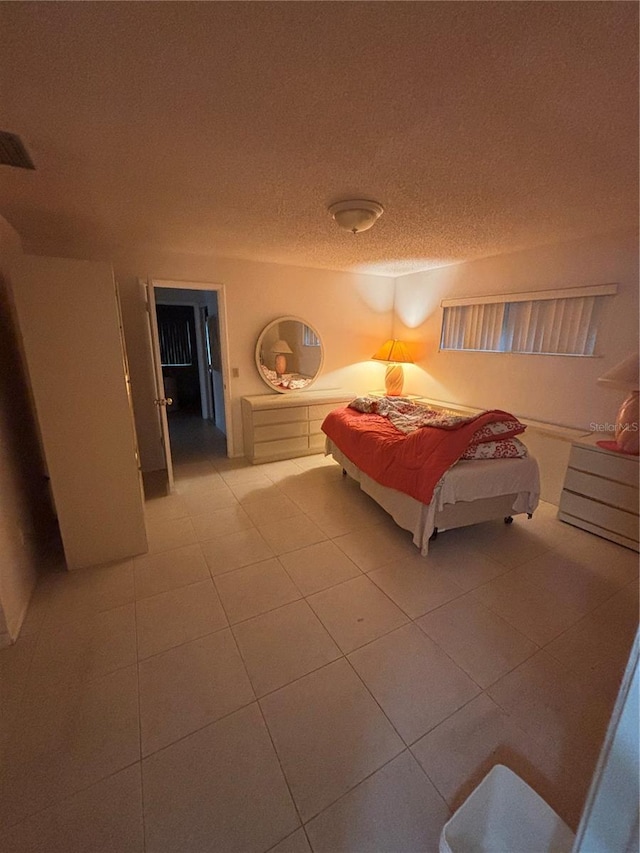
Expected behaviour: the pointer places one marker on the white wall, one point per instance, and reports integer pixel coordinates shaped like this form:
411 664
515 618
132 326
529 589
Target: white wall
351 312
25 510
556 389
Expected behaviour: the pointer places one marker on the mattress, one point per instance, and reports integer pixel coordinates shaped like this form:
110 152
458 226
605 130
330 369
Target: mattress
504 486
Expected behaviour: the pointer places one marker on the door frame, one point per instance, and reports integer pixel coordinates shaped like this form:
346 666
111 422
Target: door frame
160 400
224 339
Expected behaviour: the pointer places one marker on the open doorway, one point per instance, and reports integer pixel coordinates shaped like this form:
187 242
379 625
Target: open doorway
187 325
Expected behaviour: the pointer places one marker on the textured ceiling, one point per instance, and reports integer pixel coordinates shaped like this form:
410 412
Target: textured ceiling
227 128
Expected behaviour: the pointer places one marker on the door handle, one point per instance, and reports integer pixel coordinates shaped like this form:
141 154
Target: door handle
163 401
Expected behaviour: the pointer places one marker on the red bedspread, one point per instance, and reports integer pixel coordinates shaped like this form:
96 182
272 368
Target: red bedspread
413 463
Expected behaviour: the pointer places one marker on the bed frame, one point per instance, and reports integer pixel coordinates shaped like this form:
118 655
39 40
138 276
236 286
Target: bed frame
425 521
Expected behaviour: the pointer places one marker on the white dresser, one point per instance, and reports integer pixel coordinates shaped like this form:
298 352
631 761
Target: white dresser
600 492
282 426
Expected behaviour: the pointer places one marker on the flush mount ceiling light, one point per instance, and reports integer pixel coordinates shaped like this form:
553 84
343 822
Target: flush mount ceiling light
356 214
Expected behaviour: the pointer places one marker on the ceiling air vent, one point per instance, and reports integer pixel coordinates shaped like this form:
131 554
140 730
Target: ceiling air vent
13 152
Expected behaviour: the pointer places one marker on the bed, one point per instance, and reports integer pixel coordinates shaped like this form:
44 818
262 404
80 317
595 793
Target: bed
286 381
396 469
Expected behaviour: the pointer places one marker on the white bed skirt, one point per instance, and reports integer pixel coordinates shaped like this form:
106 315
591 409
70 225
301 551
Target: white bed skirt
469 493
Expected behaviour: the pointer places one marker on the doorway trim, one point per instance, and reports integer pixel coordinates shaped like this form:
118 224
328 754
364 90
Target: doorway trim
224 339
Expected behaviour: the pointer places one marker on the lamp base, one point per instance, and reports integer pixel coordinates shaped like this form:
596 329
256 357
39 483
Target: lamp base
281 364
394 380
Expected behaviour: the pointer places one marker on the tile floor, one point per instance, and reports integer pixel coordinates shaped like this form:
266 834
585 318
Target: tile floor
283 672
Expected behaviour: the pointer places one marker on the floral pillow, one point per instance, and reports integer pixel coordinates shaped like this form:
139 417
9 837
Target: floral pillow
497 431
506 448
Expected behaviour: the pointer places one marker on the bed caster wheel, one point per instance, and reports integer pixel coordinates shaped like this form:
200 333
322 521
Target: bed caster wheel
508 520
344 473
434 535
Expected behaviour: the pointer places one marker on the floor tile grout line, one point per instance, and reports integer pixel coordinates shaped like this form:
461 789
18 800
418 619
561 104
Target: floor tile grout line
269 610
55 627
170 590
290 835
288 573
481 604
599 604
344 794
139 706
75 684
570 625
183 737
244 663
282 770
414 618
151 555
409 745
433 781
377 703
468 674
70 795
368 642
300 677
183 643
589 614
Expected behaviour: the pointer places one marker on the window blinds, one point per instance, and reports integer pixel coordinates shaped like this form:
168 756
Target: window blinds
545 326
175 343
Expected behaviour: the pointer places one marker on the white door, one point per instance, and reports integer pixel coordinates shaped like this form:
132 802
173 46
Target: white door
214 357
160 401
206 386
70 332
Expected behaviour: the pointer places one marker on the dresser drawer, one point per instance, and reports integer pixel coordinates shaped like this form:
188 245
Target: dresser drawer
606 517
277 431
285 448
316 442
283 427
281 415
602 490
321 411
315 427
618 468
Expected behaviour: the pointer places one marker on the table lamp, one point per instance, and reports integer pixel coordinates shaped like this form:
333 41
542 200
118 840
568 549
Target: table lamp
624 376
395 354
281 349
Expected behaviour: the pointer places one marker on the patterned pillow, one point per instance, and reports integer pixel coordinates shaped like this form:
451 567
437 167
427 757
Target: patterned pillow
497 431
506 448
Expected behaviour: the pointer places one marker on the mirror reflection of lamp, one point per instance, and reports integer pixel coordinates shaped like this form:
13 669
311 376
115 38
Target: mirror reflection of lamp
396 354
624 376
281 349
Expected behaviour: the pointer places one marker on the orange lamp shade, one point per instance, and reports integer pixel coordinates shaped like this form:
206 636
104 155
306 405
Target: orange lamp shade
394 351
396 354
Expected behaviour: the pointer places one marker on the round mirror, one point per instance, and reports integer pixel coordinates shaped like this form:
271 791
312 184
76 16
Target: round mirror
289 354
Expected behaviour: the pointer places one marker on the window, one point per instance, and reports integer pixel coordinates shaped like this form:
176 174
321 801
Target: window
175 343
309 337
549 322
